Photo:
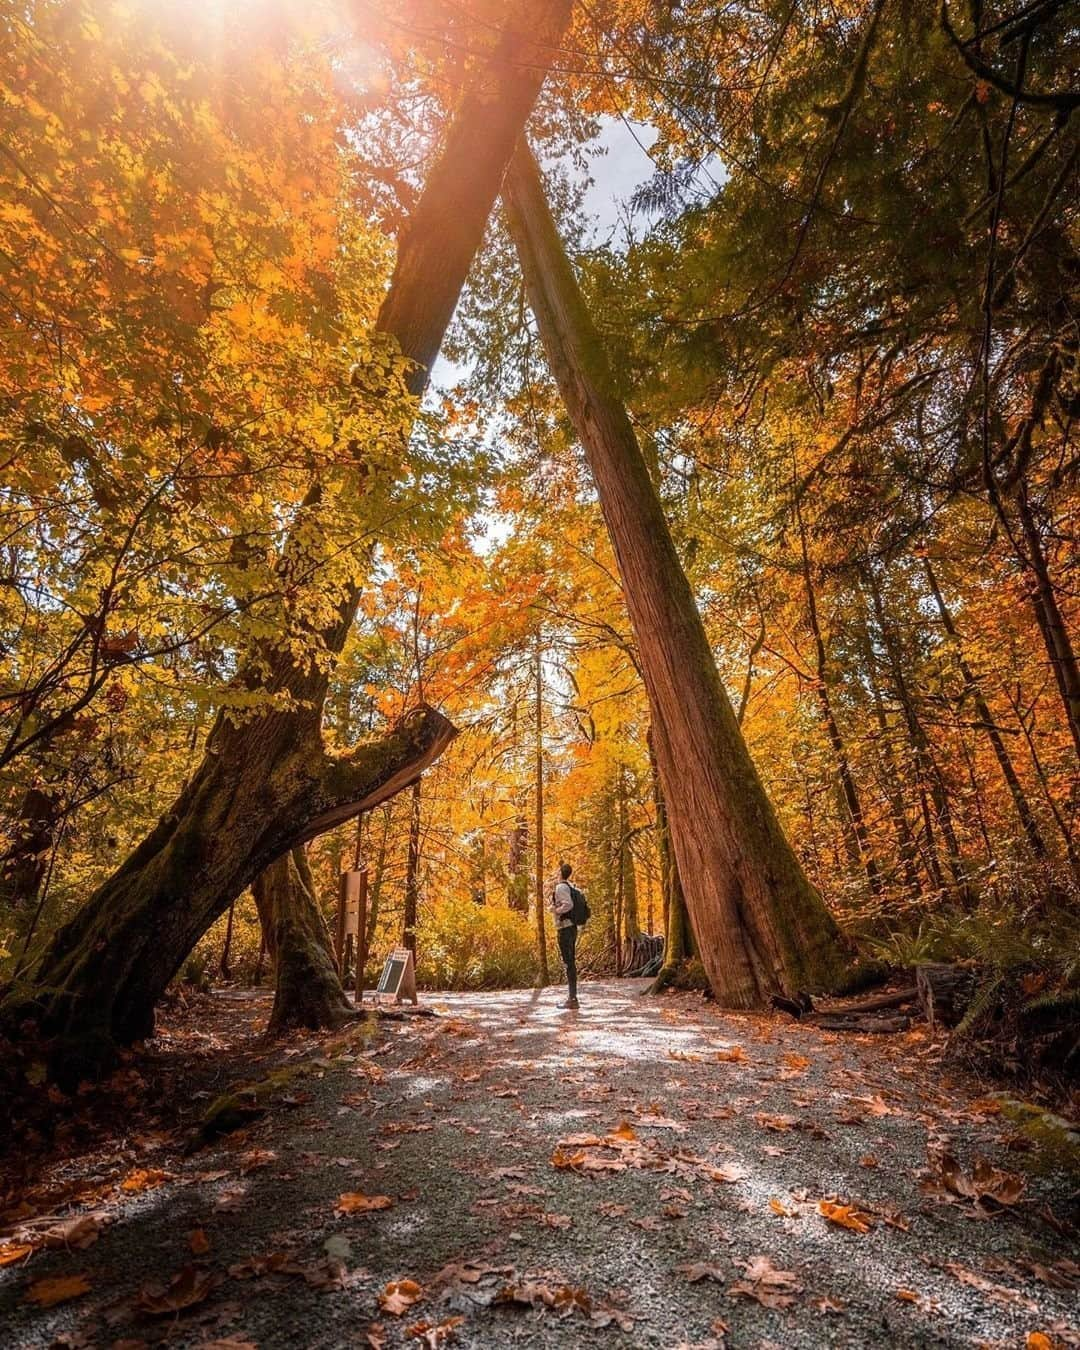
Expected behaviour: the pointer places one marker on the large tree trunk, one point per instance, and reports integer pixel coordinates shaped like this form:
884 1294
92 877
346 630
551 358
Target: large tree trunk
307 990
759 923
266 783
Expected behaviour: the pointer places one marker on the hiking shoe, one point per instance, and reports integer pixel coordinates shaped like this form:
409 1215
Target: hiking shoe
570 1003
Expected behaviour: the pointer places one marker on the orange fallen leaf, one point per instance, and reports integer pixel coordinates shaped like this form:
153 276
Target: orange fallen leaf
198 1242
624 1130
435 1334
355 1202
906 1296
144 1179
794 1061
777 1207
846 1216
733 1054
1038 1340
10 1252
57 1289
400 1295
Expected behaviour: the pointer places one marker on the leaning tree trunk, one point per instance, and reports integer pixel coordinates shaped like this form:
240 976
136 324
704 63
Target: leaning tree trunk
759 923
266 783
307 990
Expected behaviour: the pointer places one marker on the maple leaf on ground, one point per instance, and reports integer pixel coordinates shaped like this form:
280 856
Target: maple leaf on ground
399 1296
434 1334
695 1271
732 1054
55 1289
11 1252
767 1285
144 1179
187 1287
355 1202
777 1207
846 1216
945 1178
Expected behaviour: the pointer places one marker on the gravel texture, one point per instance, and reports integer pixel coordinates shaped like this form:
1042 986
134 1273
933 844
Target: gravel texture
432 1112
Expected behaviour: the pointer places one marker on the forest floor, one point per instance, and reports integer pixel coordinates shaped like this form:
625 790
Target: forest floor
643 1172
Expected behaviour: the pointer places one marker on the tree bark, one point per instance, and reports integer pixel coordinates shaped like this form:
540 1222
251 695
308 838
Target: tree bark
758 922
1055 633
307 989
541 933
266 783
412 873
986 722
853 820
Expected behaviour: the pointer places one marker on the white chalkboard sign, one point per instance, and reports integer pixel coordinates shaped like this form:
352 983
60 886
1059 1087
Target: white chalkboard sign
398 978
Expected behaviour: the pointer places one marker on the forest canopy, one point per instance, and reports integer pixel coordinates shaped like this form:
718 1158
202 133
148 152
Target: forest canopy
274 588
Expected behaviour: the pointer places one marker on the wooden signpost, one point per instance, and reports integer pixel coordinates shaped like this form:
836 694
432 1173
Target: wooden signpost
398 976
352 924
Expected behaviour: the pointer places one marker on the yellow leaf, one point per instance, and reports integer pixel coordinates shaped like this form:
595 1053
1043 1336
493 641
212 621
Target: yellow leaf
57 1289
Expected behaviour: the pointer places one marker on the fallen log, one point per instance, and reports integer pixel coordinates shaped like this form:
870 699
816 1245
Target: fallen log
874 1025
802 1009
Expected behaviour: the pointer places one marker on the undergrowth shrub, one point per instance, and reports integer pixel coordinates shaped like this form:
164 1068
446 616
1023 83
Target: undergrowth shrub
462 945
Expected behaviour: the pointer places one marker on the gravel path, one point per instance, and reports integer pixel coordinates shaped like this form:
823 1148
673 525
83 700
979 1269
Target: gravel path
689 1144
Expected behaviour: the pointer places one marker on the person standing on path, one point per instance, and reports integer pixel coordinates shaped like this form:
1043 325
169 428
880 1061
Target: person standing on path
562 906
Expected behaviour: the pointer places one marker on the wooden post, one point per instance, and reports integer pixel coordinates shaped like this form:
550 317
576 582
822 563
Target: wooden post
361 932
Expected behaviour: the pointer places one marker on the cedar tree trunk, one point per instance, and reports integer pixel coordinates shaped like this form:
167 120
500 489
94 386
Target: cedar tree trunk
266 783
307 990
759 924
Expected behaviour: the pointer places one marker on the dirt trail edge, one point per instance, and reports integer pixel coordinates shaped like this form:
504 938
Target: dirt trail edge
643 1172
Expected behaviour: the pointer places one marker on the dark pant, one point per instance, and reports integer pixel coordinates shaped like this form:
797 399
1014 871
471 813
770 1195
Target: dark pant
568 951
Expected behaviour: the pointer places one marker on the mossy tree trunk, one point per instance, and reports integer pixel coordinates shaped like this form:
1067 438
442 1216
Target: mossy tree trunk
307 990
760 925
266 783
678 937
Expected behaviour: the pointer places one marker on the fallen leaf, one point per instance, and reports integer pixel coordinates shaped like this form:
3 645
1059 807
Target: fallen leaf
400 1295
198 1242
434 1334
355 1202
906 1296
81 1231
767 1285
846 1216
188 1286
10 1252
777 1207
695 1271
144 1179
255 1158
55 1289
732 1054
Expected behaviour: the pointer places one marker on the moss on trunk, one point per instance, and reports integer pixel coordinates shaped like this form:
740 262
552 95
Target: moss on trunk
307 988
